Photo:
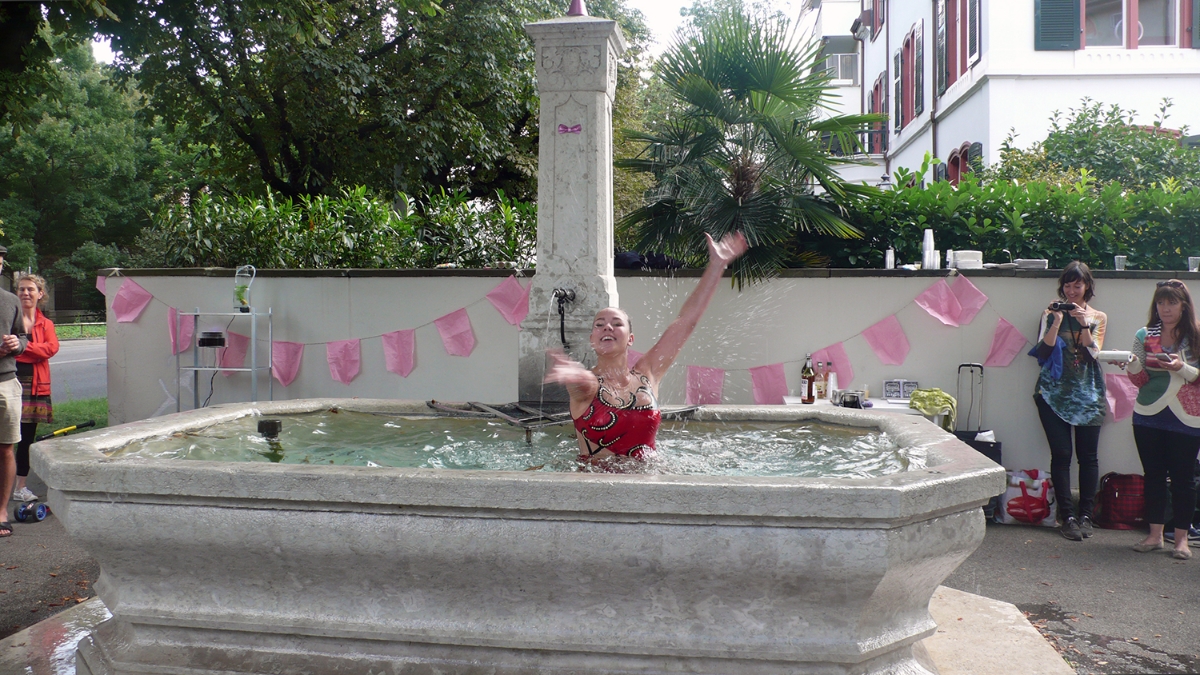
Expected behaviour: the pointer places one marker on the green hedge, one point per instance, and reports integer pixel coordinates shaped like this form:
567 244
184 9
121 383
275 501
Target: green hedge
1157 227
353 230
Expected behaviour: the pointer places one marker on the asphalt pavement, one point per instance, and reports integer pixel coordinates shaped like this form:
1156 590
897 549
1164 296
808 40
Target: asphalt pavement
79 370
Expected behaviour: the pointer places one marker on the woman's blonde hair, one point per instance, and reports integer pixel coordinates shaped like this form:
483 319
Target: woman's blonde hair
37 281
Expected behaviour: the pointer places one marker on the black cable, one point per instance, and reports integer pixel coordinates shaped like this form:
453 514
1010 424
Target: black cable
213 379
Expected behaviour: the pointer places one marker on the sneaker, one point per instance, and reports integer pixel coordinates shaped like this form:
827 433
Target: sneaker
1070 529
1193 534
24 495
1085 526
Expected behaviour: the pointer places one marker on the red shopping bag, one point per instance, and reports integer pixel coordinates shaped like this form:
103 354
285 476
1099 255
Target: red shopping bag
1029 499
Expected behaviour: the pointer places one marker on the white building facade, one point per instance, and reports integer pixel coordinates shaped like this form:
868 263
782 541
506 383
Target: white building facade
956 77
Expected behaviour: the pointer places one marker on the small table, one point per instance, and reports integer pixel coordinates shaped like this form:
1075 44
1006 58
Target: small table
881 404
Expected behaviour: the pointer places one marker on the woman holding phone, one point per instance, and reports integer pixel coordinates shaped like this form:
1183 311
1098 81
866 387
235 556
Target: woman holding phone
1166 415
1070 394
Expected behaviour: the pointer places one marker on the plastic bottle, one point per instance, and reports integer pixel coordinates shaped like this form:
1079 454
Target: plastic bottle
831 380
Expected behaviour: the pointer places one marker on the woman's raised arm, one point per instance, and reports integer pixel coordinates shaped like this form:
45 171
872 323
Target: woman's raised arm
720 254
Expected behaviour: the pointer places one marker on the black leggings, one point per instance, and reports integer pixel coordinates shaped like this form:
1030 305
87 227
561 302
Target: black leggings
1087 442
1168 453
28 432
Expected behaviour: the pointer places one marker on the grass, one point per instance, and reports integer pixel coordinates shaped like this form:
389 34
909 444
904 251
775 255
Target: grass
69 413
80 330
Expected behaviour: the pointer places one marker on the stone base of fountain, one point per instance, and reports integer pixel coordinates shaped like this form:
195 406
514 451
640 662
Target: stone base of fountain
213 568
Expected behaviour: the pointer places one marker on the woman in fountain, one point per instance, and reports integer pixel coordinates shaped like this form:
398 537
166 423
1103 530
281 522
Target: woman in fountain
615 407
1166 415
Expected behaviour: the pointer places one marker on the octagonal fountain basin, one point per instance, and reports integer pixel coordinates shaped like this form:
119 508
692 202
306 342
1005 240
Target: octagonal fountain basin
310 567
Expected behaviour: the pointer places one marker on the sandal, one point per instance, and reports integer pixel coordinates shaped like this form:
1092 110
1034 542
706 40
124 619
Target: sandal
5 529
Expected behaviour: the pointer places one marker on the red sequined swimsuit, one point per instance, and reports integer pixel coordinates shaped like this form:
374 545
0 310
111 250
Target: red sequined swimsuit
623 428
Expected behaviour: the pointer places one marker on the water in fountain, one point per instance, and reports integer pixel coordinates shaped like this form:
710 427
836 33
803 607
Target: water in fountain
689 448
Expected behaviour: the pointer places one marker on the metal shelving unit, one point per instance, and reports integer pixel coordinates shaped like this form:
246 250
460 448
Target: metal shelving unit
254 369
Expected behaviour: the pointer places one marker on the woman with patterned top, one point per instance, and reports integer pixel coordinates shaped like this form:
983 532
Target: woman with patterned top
1070 394
615 406
1166 415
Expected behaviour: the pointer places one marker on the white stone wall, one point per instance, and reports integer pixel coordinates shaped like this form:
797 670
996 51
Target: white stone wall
315 310
763 324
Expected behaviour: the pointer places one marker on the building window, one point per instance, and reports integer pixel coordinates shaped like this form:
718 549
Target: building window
909 66
878 7
1104 23
877 104
842 69
958 42
963 160
1157 21
1115 23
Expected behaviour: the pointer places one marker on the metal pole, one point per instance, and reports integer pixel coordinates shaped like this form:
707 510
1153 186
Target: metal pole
195 368
270 355
253 355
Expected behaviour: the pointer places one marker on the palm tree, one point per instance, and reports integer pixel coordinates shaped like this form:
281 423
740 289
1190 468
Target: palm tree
750 151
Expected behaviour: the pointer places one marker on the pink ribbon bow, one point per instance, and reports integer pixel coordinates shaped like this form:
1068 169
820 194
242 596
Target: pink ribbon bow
564 129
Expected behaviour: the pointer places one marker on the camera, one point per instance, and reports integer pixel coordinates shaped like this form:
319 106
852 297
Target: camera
1063 306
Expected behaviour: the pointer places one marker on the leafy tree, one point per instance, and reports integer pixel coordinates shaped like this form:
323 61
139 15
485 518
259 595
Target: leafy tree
87 171
27 31
1106 142
750 147
306 96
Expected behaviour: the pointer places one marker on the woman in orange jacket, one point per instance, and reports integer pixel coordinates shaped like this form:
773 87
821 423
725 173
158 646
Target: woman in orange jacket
33 370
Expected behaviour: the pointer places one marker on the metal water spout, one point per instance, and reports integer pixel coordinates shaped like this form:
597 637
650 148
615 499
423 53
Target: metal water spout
563 296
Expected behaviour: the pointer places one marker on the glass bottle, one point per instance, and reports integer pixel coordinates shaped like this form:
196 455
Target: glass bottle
807 381
819 383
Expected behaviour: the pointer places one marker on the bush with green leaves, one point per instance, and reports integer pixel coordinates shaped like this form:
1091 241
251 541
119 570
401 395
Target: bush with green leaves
352 230
1158 227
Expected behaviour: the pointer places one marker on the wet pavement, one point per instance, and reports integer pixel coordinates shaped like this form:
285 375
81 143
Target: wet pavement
1105 608
42 571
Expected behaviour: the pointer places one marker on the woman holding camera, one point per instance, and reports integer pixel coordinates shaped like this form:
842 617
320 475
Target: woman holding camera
1070 393
1166 415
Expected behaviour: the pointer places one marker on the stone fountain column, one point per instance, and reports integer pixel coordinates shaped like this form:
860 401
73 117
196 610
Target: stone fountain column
577 81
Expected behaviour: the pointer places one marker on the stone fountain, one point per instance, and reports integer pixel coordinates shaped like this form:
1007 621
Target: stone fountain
220 568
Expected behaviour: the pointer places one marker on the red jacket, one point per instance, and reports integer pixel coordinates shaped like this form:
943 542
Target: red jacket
43 344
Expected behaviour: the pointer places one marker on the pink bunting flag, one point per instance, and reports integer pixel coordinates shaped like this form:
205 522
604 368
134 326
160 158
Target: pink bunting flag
186 324
632 356
704 385
511 300
1007 342
941 303
841 363
770 384
130 300
457 336
101 285
399 351
344 358
1121 394
970 299
233 354
285 360
888 341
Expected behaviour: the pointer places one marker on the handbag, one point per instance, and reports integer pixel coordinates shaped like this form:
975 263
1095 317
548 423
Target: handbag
1028 500
1121 501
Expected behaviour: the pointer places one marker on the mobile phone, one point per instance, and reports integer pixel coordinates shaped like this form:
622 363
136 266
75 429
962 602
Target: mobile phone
1161 357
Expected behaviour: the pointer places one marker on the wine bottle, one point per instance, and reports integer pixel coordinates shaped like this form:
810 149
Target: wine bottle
808 380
